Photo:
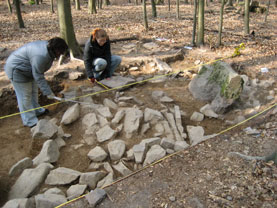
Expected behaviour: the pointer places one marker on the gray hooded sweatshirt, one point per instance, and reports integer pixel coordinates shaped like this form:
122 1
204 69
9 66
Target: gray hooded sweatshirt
29 63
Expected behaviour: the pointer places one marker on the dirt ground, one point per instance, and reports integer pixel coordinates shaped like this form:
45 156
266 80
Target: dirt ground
201 176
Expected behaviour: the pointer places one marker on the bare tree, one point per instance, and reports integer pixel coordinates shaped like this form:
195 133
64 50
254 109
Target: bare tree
106 2
267 10
168 5
77 5
92 7
154 10
18 14
200 30
52 6
145 14
66 27
246 16
9 6
220 22
194 23
177 9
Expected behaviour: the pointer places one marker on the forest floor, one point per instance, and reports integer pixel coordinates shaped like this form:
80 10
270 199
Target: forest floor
201 176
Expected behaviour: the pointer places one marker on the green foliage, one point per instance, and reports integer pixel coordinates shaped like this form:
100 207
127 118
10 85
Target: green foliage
31 2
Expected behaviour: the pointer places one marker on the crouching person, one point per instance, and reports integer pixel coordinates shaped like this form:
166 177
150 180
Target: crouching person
25 68
99 62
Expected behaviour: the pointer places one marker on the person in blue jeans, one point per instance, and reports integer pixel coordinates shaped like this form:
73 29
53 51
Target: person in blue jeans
99 62
25 68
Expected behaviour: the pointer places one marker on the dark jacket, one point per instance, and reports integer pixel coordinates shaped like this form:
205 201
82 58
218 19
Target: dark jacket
29 63
92 51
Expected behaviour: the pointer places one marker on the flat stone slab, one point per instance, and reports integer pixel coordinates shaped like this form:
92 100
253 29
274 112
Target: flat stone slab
117 81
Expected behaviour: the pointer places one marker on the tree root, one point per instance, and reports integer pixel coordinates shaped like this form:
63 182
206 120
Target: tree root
270 157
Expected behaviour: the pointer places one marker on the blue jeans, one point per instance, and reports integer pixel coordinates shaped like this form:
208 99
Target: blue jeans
27 99
100 64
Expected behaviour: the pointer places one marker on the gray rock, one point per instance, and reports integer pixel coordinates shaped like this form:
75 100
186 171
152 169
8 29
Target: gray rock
54 191
106 181
89 120
24 187
71 114
20 203
122 169
139 152
109 103
91 178
167 143
97 154
62 176
95 197
21 165
196 116
48 154
155 153
49 200
180 145
150 142
105 112
105 133
118 116
195 133
116 149
118 82
207 111
75 191
132 121
152 116
44 129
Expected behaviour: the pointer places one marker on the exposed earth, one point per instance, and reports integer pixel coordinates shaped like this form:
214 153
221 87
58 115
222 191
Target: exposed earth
200 176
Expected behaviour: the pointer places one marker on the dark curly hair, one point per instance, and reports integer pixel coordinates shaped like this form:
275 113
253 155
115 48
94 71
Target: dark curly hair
57 44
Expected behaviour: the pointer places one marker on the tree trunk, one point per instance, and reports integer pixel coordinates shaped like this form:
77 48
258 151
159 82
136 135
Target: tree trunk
220 22
52 6
18 13
37 2
230 3
145 15
100 4
200 30
168 5
9 6
106 3
246 17
186 2
92 7
154 10
136 2
177 9
267 11
66 27
194 23
77 5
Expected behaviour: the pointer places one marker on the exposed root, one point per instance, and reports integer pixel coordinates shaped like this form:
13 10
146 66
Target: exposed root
246 157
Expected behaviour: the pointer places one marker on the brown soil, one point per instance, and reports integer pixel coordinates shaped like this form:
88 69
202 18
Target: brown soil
200 175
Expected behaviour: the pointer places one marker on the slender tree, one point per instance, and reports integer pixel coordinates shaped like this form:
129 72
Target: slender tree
37 2
267 10
145 14
200 29
230 3
154 10
9 6
178 9
18 14
220 22
246 16
168 5
92 7
77 5
66 27
52 6
107 2
194 23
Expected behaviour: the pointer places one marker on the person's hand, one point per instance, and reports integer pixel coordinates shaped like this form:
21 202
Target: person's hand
51 96
92 80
